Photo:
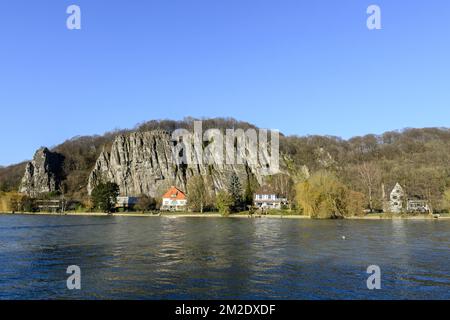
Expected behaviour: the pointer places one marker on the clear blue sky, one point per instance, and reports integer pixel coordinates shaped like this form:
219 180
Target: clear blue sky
304 67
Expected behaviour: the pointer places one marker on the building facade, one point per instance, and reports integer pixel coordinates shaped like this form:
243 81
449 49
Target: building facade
174 200
400 203
418 206
126 202
51 205
266 199
397 199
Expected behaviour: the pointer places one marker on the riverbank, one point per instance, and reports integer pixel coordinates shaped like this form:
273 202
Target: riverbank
163 215
400 217
233 216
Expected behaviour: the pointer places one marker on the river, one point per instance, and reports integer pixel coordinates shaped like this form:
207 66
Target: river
214 258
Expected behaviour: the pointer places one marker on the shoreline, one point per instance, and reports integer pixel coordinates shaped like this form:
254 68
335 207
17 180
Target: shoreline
399 218
163 215
217 215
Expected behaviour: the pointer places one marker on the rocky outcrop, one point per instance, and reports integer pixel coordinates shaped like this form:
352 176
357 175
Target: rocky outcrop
143 163
42 175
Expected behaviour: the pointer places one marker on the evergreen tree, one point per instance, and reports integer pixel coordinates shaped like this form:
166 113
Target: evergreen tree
250 189
104 196
235 191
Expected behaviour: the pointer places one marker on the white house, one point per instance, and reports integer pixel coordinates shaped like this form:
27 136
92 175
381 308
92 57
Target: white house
126 202
397 198
400 202
418 205
266 198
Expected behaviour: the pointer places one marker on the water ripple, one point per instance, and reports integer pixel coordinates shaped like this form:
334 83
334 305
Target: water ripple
134 258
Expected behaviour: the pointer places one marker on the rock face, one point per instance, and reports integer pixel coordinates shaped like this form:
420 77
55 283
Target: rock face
43 174
143 163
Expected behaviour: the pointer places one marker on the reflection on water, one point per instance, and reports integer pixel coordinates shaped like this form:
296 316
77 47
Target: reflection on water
158 258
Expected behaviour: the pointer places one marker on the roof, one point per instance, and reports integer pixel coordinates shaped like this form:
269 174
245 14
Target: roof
127 200
417 197
397 189
175 194
418 200
398 186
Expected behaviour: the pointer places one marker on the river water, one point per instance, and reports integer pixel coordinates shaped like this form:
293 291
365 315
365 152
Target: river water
213 258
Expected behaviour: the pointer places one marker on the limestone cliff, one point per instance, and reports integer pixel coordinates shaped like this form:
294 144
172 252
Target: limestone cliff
142 163
43 174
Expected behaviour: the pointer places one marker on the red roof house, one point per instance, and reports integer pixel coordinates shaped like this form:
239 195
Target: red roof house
174 200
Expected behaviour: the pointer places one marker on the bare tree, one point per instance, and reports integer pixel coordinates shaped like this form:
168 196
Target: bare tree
370 175
284 185
199 195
